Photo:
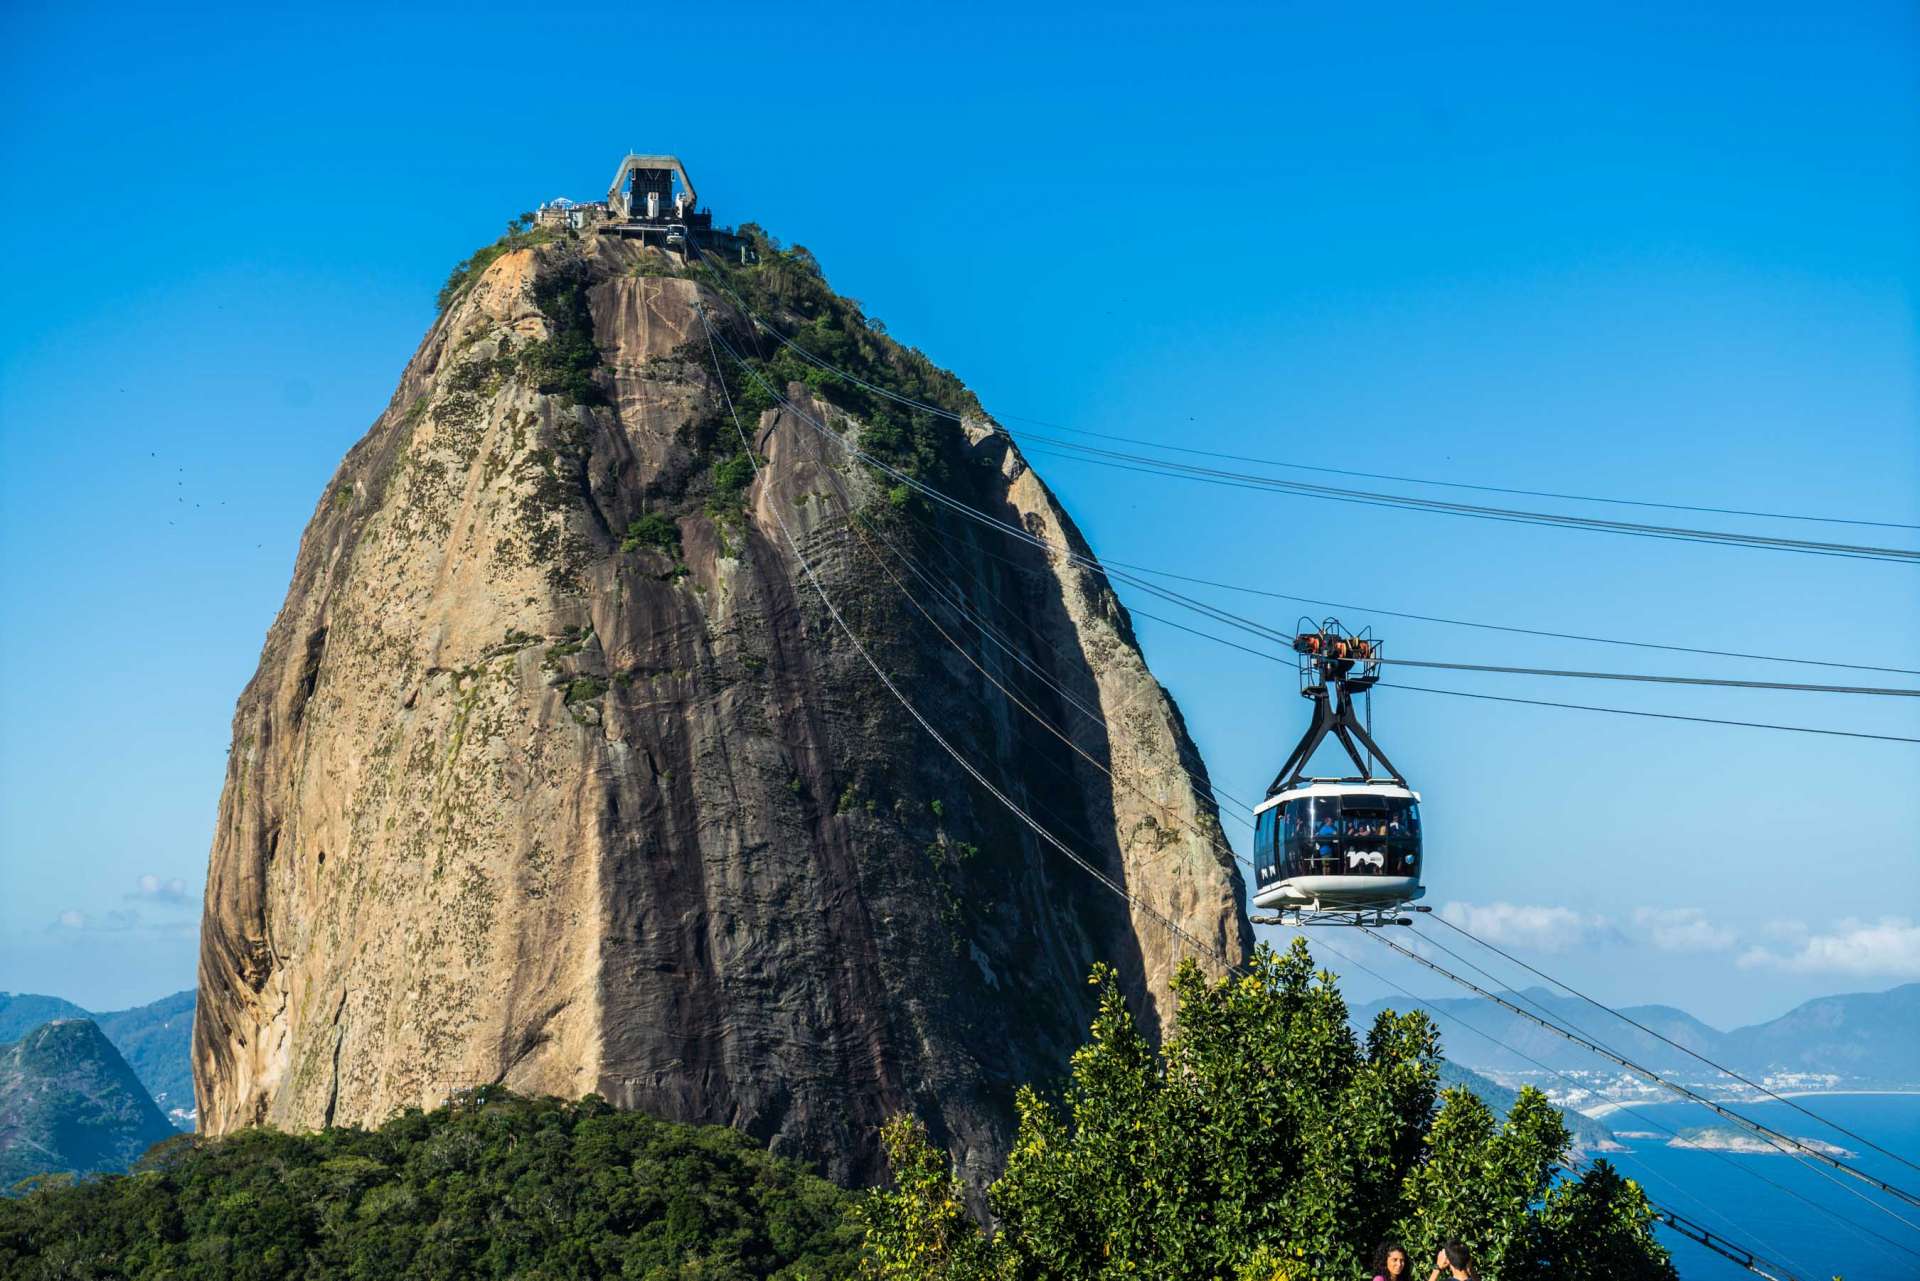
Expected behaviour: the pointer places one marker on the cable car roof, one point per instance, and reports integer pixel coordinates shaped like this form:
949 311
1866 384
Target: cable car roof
1334 787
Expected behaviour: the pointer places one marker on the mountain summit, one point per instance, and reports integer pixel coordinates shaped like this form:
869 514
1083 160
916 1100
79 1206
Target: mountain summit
557 772
70 1104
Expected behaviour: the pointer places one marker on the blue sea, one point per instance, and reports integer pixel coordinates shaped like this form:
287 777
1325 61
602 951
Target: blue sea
1725 1191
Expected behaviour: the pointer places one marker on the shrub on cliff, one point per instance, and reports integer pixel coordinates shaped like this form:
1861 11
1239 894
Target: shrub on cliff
1264 1141
521 234
497 1186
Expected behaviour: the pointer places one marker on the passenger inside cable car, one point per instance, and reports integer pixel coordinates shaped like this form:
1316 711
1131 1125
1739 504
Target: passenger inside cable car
1336 842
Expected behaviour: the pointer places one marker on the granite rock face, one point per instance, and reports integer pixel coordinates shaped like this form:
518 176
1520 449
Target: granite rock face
556 771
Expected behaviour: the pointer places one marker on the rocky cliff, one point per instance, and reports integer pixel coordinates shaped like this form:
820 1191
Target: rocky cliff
556 772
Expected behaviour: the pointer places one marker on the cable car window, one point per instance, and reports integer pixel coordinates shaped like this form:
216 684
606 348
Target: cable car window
1265 844
1323 851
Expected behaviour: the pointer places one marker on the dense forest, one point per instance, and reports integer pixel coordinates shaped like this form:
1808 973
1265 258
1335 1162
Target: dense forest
493 1185
1265 1141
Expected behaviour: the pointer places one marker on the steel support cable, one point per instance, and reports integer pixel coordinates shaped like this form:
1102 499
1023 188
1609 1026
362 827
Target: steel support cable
1536 702
1234 620
1570 1025
1173 927
1212 791
1222 798
972 771
1093 565
1667 1040
1705 681
1407 502
967 613
999 639
1715 682
940 410
1720 1245
1726 1113
1003 641
1520 631
1494 1040
1660 716
959 759
1169 924
1120 570
1134 462
1218 842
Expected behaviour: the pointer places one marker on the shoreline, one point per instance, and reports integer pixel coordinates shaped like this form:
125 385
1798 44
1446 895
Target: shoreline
1600 1110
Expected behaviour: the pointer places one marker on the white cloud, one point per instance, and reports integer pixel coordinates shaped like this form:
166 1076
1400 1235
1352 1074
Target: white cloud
114 922
1888 947
154 889
1683 929
1547 929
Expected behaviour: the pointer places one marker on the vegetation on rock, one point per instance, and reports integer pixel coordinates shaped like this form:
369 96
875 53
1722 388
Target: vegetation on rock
1265 1140
563 363
521 234
787 284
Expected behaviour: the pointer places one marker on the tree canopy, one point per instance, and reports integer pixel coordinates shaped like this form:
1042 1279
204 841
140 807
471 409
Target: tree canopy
1264 1141
495 1186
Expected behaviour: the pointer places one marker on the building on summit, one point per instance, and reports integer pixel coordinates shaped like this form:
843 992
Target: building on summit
651 199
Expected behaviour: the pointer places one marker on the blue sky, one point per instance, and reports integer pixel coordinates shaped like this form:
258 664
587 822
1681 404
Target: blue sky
1623 251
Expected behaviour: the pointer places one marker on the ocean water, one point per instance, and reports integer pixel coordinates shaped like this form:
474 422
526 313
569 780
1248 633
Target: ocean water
1841 1233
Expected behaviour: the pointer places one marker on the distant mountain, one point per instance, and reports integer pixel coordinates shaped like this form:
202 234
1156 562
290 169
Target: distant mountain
69 1102
21 1012
1470 1026
156 1040
1866 1039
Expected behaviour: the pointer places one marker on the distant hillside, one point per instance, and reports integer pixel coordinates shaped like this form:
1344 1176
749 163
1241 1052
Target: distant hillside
1589 1135
21 1012
1870 1037
156 1040
69 1102
501 1186
1866 1038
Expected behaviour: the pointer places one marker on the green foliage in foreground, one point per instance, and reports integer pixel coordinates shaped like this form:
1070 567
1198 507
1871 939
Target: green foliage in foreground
1264 1141
499 1186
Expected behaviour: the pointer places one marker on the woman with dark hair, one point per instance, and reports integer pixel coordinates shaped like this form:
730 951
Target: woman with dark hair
1454 1261
1390 1262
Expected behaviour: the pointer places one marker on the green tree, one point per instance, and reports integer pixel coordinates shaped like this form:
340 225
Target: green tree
919 1231
1599 1228
1263 1142
494 1186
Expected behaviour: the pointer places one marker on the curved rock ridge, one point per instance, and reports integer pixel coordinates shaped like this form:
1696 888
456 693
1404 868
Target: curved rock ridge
556 772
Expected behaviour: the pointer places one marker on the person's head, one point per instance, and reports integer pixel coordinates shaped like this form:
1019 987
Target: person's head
1390 1261
1454 1255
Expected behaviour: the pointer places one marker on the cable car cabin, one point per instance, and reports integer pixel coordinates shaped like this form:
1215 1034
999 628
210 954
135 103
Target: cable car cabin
1337 846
